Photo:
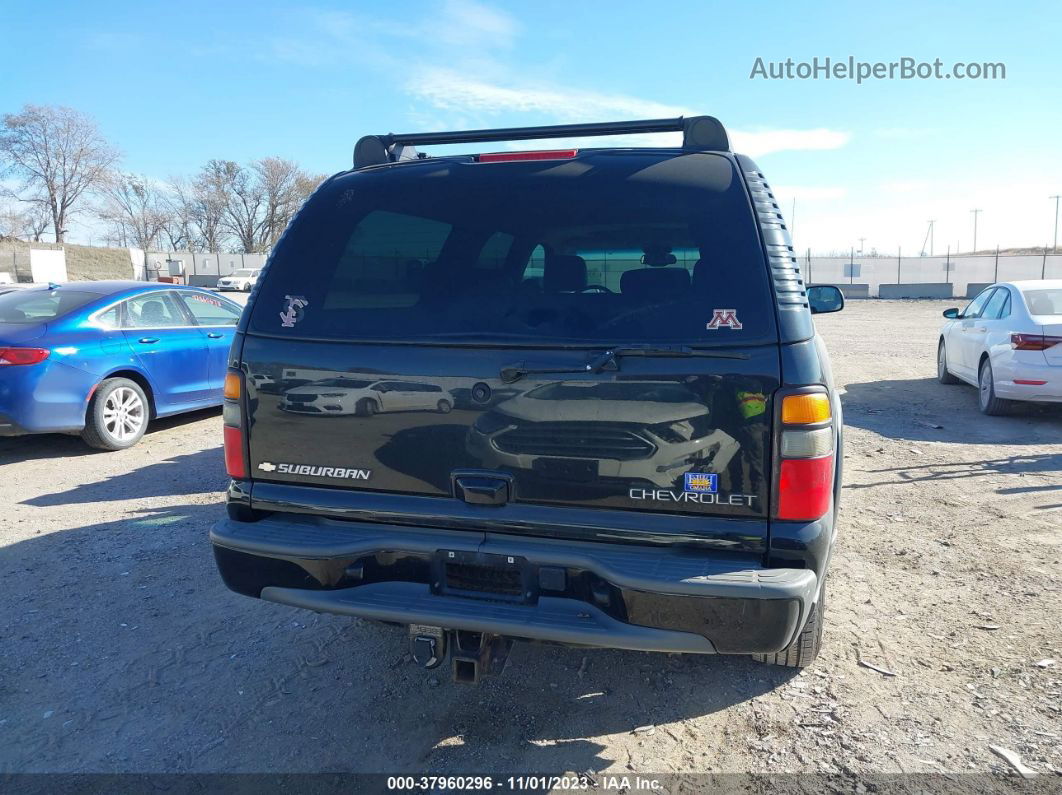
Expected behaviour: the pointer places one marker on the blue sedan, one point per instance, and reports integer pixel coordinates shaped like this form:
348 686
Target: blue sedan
104 358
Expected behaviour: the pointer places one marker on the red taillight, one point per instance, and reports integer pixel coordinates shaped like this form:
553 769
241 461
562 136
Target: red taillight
805 486
10 356
807 453
234 460
1033 342
1029 382
232 416
553 154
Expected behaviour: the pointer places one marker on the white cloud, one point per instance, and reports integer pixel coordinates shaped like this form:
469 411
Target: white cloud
461 30
907 186
767 142
449 90
809 192
467 23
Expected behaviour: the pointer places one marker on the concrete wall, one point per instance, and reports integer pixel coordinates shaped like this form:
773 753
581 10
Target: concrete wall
202 268
960 271
973 288
917 290
848 290
855 290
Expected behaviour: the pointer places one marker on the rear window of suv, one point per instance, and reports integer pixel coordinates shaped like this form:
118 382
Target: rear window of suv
605 248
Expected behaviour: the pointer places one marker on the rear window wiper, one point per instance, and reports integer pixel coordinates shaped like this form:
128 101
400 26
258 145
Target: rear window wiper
606 360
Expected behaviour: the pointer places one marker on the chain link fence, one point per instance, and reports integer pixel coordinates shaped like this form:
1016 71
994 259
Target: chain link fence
926 277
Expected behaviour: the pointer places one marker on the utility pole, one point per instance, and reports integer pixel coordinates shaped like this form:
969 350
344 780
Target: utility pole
975 214
929 237
792 222
1055 246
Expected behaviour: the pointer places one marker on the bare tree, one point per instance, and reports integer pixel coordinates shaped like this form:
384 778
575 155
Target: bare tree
205 204
179 227
135 209
241 197
258 201
286 187
38 219
59 154
26 220
196 211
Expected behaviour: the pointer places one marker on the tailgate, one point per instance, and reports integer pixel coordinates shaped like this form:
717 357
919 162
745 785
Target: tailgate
683 436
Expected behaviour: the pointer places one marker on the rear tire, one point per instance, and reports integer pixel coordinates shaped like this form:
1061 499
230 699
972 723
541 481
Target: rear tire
444 407
942 366
367 407
117 415
805 647
986 393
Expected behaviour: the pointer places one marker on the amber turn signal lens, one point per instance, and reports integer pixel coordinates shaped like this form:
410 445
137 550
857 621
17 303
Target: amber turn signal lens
232 386
806 409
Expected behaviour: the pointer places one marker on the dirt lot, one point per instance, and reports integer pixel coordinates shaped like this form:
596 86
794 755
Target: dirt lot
121 650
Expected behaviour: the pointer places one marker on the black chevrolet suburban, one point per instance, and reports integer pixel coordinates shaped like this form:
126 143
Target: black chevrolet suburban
600 414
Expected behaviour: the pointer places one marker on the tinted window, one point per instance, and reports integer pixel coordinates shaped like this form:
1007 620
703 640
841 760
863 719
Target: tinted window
109 319
39 306
995 304
153 310
210 311
974 308
606 248
1041 302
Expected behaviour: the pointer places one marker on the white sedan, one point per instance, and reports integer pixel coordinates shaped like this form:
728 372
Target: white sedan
1008 343
242 279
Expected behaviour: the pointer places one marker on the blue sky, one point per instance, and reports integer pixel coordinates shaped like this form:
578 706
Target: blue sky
175 84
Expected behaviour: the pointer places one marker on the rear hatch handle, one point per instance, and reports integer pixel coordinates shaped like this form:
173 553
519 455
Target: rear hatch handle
607 360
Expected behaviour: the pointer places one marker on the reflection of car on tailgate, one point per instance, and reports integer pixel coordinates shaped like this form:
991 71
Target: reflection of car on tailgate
635 431
365 398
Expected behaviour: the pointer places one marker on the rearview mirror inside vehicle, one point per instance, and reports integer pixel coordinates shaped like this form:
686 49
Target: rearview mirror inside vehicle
951 313
825 298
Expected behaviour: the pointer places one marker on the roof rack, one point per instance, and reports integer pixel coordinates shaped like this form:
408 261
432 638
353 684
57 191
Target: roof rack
698 133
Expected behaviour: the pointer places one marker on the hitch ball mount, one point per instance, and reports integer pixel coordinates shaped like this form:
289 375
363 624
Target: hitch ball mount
473 654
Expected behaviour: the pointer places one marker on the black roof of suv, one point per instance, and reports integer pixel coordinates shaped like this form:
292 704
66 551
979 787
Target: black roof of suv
645 452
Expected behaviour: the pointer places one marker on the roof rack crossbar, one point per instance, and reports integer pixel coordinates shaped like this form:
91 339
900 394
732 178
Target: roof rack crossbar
699 132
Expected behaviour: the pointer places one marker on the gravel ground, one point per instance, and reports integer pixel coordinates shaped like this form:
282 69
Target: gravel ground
121 650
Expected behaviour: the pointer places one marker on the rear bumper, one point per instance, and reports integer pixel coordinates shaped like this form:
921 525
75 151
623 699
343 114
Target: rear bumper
1050 391
579 593
50 397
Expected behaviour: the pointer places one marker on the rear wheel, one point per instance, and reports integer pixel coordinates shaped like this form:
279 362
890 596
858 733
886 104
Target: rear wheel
986 393
942 366
805 648
444 407
367 407
117 415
